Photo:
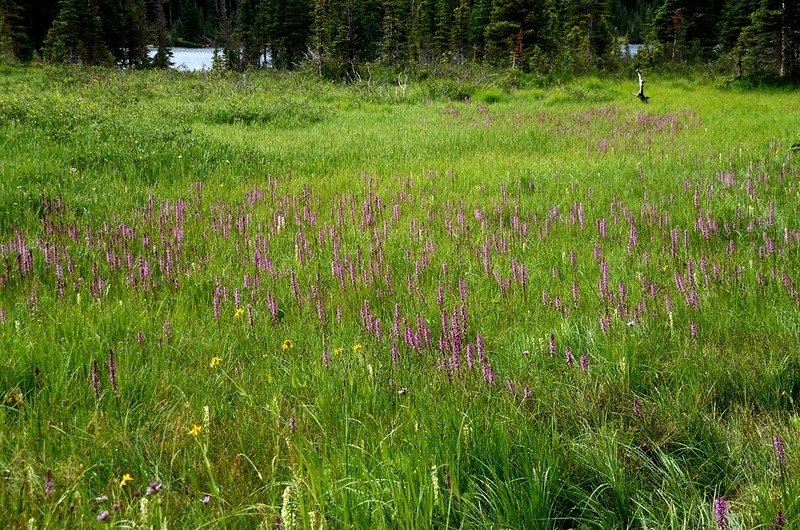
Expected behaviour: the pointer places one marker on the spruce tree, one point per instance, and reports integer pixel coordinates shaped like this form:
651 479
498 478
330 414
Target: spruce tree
460 44
163 56
394 44
77 35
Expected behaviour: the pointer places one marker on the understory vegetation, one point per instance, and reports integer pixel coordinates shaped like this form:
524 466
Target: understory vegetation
236 300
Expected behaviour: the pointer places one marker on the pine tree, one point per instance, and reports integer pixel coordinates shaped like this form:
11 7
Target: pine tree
771 44
480 15
77 35
6 40
590 37
422 30
394 44
442 25
460 36
247 34
163 57
135 33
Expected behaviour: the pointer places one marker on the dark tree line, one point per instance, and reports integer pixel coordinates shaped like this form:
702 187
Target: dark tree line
749 38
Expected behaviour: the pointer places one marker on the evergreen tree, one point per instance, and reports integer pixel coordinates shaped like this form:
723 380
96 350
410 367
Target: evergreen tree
460 44
163 57
442 25
423 27
394 43
590 37
77 35
134 33
688 31
771 44
290 31
480 15
349 33
522 31
6 34
247 34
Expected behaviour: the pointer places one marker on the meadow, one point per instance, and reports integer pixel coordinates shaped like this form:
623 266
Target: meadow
241 301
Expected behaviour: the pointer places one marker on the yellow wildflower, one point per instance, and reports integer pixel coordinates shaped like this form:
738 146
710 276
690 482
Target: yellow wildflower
337 351
125 479
357 347
239 312
288 344
215 361
195 431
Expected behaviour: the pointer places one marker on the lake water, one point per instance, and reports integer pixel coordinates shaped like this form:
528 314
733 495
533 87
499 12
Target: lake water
190 59
633 48
198 59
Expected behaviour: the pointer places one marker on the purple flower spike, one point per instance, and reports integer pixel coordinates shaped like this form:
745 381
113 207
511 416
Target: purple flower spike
112 371
779 452
637 407
95 378
780 521
569 357
206 499
103 516
512 388
326 358
721 513
584 363
48 483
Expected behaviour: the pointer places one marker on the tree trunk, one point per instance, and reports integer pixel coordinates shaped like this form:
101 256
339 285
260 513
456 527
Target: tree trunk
784 43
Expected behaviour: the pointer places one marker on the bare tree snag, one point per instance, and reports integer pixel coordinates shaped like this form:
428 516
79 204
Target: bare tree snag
640 94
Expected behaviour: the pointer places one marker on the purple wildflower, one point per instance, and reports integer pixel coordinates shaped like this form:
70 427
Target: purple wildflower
167 330
470 355
273 305
48 483
104 515
154 487
779 452
693 329
112 371
721 513
637 407
584 363
95 378
552 345
512 388
116 506
206 499
568 356
780 521
527 392
480 347
326 358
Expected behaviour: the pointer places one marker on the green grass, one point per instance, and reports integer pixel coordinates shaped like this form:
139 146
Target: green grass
145 199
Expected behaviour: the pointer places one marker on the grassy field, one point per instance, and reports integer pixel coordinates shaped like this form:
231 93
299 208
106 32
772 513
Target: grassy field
263 301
